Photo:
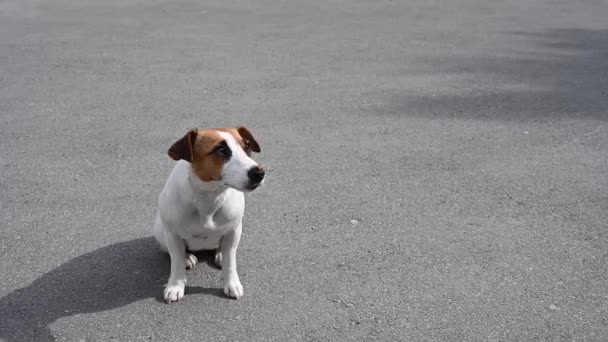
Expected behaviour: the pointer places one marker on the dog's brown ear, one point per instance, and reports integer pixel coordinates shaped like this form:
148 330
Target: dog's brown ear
244 132
182 149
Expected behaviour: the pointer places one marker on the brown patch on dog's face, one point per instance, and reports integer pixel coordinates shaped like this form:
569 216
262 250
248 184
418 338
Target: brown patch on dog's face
210 152
207 151
244 138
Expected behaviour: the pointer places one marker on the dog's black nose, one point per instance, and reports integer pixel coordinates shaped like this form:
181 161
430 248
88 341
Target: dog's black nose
256 174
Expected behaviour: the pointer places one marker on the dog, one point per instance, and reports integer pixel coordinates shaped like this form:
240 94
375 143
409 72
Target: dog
202 203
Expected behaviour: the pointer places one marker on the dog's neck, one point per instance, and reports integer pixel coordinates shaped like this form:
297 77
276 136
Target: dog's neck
213 193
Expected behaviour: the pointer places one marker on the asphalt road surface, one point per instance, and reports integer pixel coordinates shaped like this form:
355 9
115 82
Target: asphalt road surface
438 170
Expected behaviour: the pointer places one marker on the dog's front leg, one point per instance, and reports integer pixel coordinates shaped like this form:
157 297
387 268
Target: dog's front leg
232 283
177 280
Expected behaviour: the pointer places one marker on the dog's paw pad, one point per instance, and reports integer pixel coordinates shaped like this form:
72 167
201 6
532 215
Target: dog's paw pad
173 293
218 259
234 290
191 261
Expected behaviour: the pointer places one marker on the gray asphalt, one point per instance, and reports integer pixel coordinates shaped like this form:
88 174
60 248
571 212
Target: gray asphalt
438 169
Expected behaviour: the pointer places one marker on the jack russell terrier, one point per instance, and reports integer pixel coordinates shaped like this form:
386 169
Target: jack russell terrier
202 204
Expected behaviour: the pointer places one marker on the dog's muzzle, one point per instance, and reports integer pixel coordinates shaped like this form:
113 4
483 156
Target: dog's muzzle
256 176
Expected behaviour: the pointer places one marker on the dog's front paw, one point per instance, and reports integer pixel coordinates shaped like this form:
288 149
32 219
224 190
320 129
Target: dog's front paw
234 289
174 293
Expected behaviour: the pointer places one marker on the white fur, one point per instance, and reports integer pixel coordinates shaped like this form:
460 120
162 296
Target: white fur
203 216
235 170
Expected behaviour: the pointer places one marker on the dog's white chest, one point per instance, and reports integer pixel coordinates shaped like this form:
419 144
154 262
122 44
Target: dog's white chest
205 232
197 226
202 233
204 222
203 242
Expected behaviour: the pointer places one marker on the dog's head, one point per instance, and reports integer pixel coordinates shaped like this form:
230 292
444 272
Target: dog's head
221 155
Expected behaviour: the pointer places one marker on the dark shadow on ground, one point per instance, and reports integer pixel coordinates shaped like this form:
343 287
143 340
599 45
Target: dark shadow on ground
559 73
107 278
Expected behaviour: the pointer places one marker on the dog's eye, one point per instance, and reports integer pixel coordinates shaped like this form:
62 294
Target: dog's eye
221 151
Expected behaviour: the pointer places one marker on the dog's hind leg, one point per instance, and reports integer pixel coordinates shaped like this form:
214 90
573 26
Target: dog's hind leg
158 231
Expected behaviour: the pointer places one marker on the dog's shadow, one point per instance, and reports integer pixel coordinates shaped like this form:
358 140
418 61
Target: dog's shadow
107 278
